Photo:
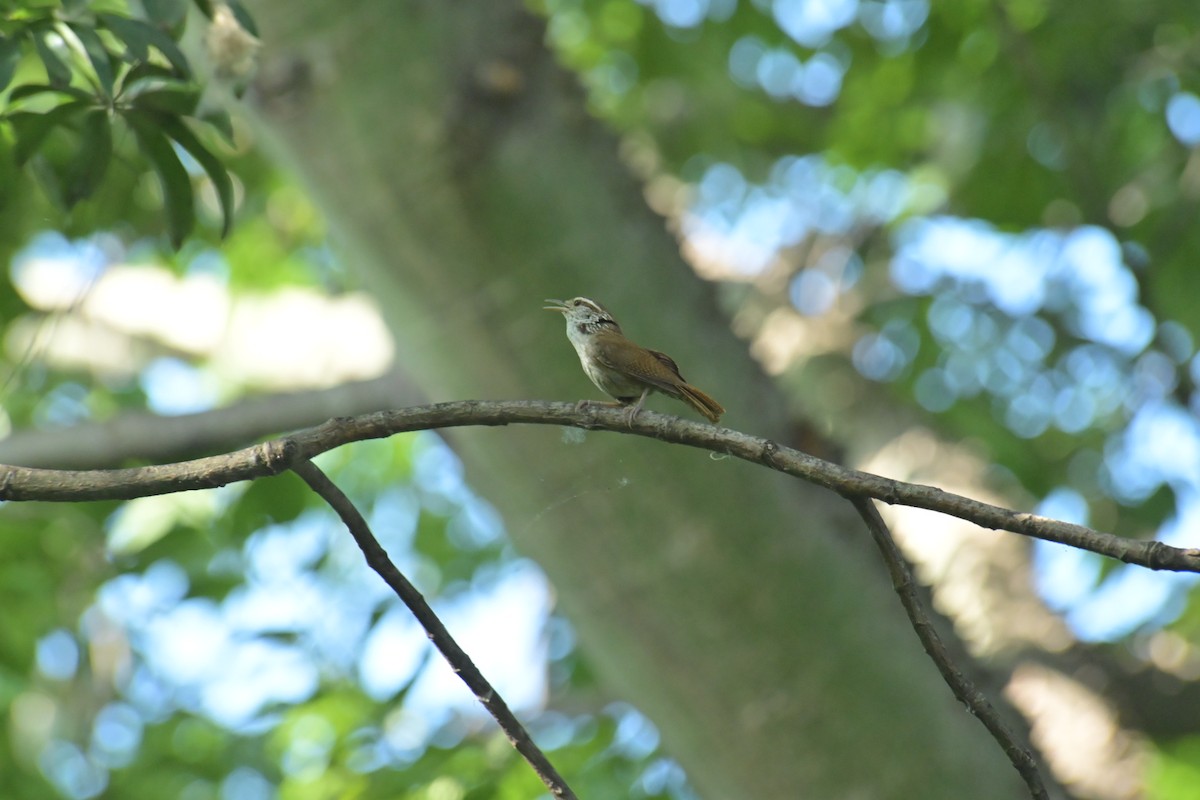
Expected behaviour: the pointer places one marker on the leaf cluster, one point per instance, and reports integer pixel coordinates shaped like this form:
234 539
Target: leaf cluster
109 77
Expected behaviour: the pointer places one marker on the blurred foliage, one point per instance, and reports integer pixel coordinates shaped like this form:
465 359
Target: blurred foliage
807 112
84 84
102 706
1176 775
892 167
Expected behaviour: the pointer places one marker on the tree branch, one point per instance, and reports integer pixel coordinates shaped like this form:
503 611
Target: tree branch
145 436
975 701
277 455
460 662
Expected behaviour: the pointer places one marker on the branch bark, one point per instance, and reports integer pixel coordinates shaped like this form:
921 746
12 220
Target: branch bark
277 455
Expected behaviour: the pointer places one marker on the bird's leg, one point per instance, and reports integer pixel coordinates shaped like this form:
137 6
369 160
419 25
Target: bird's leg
632 411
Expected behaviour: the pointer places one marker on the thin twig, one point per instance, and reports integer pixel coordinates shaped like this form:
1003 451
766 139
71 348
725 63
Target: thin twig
460 662
975 701
275 456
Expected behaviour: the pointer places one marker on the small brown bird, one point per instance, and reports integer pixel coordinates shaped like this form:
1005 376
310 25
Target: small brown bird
622 369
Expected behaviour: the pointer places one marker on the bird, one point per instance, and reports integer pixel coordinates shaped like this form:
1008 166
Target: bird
625 371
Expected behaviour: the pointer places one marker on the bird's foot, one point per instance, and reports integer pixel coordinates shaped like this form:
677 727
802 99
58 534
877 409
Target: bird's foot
584 405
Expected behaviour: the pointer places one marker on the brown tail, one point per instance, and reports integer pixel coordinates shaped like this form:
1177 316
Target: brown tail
711 409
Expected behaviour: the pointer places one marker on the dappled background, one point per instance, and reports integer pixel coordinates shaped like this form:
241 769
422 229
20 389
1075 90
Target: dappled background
960 238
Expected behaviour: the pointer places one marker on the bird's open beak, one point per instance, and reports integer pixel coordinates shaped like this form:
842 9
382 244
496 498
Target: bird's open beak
559 305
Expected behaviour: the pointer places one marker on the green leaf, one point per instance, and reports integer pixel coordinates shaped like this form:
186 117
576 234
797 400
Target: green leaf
141 71
57 71
95 51
167 13
140 36
87 169
171 100
159 94
178 130
243 17
137 43
223 123
206 7
31 128
176 185
26 90
10 56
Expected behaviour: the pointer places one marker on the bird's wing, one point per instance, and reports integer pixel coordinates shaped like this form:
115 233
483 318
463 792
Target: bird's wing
660 372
